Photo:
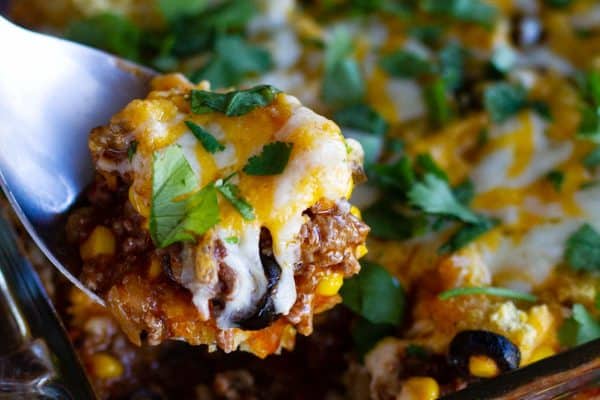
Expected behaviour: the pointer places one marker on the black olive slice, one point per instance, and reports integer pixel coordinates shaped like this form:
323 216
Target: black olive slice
265 310
466 344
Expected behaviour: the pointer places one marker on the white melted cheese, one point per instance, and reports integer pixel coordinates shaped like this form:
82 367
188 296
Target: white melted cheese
250 282
530 259
407 97
492 172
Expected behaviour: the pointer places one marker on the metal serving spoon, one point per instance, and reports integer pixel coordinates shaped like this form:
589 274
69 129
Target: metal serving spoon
52 93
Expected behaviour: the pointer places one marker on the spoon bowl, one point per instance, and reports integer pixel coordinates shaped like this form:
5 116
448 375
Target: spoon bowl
52 93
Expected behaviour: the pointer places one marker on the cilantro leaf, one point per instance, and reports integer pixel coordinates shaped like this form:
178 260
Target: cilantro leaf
589 127
452 65
406 64
173 9
503 100
233 60
589 85
232 239
487 290
476 11
580 328
235 103
425 162
397 177
466 234
541 108
592 159
361 117
464 192
232 193
132 149
375 295
387 223
582 250
556 178
195 33
209 142
109 32
558 3
271 161
173 219
434 196
438 107
428 34
342 80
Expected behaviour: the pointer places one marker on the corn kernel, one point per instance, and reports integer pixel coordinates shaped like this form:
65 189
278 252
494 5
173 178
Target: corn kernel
330 284
540 353
105 366
483 367
361 250
138 203
101 241
356 212
420 388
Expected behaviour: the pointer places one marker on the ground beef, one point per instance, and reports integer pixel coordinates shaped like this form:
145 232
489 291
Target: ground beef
156 308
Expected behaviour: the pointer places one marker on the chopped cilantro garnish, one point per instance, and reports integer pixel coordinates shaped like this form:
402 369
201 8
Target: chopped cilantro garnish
375 294
397 177
541 108
503 100
233 103
271 161
231 192
592 159
464 191
433 195
233 59
466 234
428 34
425 163
580 328
132 149
452 60
209 142
582 250
477 11
195 33
173 9
438 107
556 178
109 32
589 126
406 64
387 223
361 117
342 81
173 217
232 240
558 3
487 290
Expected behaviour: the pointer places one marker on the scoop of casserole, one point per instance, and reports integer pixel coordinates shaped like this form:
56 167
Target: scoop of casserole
219 218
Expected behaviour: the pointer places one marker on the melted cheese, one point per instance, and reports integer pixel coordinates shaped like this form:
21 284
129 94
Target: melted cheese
319 168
